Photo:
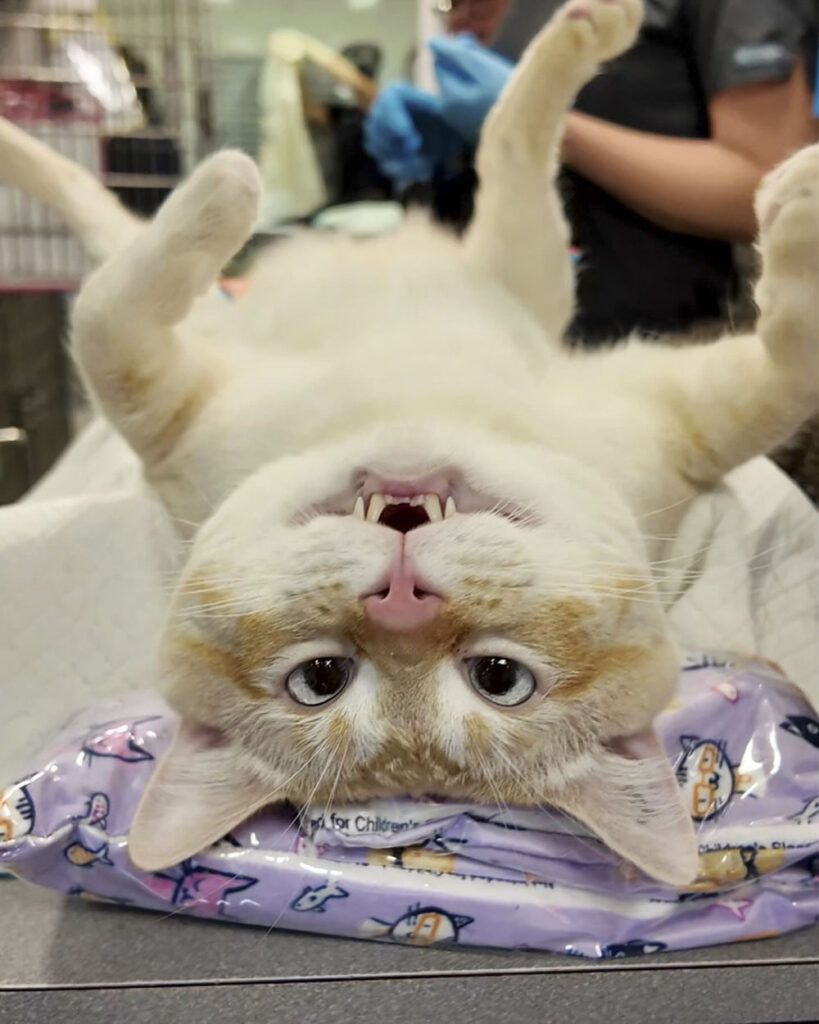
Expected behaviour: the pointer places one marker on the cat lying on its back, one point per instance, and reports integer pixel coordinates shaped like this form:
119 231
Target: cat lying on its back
423 548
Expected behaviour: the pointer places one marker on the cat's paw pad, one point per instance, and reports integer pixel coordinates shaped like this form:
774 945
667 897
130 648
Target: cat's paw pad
787 201
598 30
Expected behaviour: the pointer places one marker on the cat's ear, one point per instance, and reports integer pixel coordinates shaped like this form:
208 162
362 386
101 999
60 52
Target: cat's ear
197 793
630 799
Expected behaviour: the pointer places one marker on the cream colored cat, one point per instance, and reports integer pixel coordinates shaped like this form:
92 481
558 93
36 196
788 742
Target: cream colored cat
423 530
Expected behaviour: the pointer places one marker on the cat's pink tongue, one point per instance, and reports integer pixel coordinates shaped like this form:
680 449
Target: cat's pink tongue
403 607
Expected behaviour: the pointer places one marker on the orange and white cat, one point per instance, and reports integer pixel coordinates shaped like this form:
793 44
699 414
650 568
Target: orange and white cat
422 530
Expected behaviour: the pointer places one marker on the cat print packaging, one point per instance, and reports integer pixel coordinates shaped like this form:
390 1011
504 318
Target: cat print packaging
431 871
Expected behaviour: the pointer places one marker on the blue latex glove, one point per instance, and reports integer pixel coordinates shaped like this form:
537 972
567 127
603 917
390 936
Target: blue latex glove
816 89
470 78
406 134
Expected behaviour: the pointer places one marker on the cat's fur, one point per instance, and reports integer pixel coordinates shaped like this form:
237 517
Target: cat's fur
422 361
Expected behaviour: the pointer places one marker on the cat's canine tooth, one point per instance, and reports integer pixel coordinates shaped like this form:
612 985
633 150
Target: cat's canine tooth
432 506
358 508
375 508
449 508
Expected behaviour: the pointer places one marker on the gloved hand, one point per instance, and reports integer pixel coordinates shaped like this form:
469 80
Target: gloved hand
470 78
406 135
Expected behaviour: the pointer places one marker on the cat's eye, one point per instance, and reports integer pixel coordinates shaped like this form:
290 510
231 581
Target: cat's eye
502 681
318 680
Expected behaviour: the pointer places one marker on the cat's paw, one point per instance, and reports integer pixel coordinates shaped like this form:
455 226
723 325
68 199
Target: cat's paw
787 294
217 206
787 206
597 30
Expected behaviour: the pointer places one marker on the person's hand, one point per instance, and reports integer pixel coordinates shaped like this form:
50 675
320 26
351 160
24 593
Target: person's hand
406 134
470 78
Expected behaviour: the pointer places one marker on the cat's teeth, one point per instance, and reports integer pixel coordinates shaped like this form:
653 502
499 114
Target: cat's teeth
376 507
358 508
432 507
449 508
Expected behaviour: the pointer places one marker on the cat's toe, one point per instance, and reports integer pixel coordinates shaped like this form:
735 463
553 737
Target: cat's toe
787 293
600 29
787 201
218 204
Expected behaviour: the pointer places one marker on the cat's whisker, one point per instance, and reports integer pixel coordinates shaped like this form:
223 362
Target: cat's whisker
664 508
549 812
487 775
333 754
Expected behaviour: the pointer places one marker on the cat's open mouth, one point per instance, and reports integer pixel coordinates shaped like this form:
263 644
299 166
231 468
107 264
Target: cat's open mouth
403 513
406 505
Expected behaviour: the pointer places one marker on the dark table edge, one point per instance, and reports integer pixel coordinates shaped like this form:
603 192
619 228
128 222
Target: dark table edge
691 965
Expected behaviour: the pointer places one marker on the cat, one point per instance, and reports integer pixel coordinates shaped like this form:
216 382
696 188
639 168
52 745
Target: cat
422 531
419 926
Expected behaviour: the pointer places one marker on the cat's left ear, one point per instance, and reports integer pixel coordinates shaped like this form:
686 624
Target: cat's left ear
198 792
630 799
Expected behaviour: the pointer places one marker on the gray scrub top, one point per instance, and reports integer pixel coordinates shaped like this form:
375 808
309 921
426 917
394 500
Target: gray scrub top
634 274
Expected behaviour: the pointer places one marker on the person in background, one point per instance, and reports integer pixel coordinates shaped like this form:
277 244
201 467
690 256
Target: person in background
662 153
480 18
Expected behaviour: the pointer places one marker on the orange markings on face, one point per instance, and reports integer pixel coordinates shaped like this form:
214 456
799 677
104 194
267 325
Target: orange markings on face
338 731
479 732
572 634
218 662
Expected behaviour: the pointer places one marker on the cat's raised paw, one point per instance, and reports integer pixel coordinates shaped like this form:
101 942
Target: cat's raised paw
787 293
597 30
787 201
217 206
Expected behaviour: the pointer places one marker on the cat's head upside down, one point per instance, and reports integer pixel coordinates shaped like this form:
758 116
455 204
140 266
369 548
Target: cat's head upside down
425 537
416 612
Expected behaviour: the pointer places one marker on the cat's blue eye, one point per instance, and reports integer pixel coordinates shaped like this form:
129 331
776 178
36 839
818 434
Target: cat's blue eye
500 680
319 680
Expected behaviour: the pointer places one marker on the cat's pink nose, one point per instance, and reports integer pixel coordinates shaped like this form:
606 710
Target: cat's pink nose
403 606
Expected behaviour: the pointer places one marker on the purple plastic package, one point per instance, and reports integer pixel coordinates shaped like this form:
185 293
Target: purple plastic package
744 744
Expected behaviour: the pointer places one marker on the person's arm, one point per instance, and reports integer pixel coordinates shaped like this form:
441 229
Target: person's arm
698 186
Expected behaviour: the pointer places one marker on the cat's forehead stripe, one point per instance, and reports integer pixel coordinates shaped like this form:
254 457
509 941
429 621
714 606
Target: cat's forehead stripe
219 663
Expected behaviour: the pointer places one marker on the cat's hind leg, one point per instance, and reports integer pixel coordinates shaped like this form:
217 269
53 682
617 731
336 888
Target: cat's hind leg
92 212
519 233
150 379
722 403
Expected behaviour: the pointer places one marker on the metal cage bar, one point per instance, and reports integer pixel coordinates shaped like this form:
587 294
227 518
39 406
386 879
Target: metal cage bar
121 86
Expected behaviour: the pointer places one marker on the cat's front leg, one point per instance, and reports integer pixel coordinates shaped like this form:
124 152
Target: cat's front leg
720 404
150 380
519 233
787 294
